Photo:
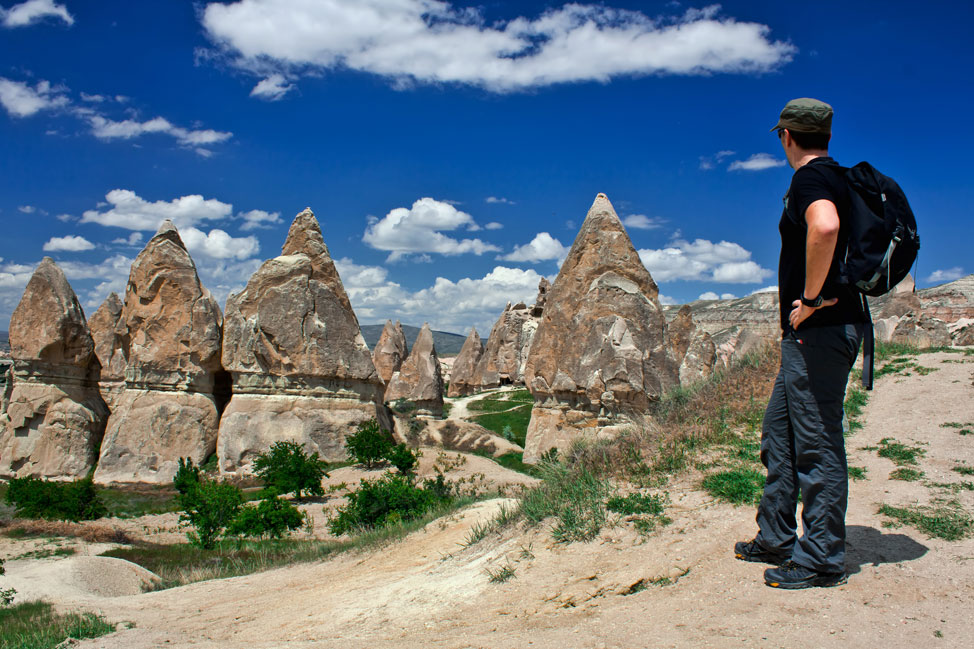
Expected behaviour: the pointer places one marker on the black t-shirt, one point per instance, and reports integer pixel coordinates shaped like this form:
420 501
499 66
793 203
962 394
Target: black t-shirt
822 178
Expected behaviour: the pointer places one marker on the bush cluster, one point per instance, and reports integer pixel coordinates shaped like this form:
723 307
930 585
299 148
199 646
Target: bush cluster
68 501
288 469
393 498
216 509
370 445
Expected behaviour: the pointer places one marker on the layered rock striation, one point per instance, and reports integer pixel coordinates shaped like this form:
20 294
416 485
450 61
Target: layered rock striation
169 335
300 368
108 348
419 379
463 375
599 357
52 416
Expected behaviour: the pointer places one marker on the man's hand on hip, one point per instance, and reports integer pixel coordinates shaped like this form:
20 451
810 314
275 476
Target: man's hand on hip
800 312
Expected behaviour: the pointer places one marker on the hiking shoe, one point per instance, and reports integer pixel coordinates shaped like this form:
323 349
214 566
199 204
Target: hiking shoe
753 551
791 575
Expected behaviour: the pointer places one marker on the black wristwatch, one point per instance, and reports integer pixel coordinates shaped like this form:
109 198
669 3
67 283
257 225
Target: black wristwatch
816 303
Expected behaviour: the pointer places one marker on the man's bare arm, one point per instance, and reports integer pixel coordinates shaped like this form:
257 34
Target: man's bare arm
822 220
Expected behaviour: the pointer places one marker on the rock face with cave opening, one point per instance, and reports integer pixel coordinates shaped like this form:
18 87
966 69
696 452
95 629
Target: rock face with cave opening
52 416
300 368
600 355
169 335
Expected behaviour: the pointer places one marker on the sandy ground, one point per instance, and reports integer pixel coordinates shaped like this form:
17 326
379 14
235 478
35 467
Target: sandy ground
430 591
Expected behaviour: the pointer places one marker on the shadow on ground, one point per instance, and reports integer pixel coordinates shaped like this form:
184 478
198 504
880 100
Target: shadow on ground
869 546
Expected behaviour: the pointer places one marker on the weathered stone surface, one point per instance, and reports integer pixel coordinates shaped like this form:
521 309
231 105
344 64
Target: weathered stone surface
390 351
454 435
52 416
698 363
543 287
300 367
599 357
949 302
921 331
962 332
419 379
170 335
507 349
736 342
757 312
108 348
463 372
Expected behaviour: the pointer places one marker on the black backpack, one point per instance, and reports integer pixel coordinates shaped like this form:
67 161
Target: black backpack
882 245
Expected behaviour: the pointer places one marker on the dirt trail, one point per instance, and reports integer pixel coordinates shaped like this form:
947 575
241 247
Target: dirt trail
905 590
458 405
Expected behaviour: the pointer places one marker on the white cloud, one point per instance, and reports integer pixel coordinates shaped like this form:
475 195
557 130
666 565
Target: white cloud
766 289
418 229
948 275
272 88
27 209
20 100
710 295
68 243
642 222
757 162
432 41
542 247
709 162
667 300
64 218
703 260
33 11
218 244
447 305
128 210
503 201
493 225
106 129
96 99
255 219
134 239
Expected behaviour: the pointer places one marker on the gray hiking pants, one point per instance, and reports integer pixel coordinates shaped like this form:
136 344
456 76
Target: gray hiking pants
803 448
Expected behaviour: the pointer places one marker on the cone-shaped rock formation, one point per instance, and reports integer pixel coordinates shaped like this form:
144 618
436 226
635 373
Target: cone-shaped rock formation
463 374
300 367
600 355
54 417
170 336
419 379
108 348
390 351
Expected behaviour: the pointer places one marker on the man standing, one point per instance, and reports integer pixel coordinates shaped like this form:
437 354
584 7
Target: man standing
802 445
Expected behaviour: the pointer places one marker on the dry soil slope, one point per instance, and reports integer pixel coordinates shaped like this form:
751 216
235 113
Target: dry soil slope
905 589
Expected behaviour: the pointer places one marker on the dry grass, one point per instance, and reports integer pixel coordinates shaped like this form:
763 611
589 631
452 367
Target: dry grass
90 532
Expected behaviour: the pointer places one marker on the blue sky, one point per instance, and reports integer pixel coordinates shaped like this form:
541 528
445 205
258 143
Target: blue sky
449 150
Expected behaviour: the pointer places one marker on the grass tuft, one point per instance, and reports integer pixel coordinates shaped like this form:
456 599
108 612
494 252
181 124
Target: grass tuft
946 521
905 474
857 472
574 496
739 486
899 453
31 625
502 574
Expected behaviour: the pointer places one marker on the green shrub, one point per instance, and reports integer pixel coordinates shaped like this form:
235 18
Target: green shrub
210 507
6 594
187 476
393 498
369 444
271 517
575 496
404 459
69 501
288 469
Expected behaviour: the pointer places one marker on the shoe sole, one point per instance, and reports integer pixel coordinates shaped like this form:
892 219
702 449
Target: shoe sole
772 561
806 584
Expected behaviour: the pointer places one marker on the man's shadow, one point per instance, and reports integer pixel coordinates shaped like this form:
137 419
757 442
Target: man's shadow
867 545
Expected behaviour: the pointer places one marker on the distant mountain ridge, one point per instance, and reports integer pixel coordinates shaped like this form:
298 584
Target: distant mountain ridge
4 341
447 344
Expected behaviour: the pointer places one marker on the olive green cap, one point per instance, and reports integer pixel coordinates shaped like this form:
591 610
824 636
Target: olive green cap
806 116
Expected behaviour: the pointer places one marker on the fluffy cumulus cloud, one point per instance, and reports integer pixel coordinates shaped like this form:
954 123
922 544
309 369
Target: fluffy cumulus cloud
218 244
125 209
642 222
272 88
447 305
710 295
541 248
68 244
106 129
419 229
703 260
33 11
757 162
433 41
945 275
22 100
255 219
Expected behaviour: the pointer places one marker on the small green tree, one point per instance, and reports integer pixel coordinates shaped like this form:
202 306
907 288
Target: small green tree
272 516
209 506
369 444
70 501
403 458
391 498
6 594
288 469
